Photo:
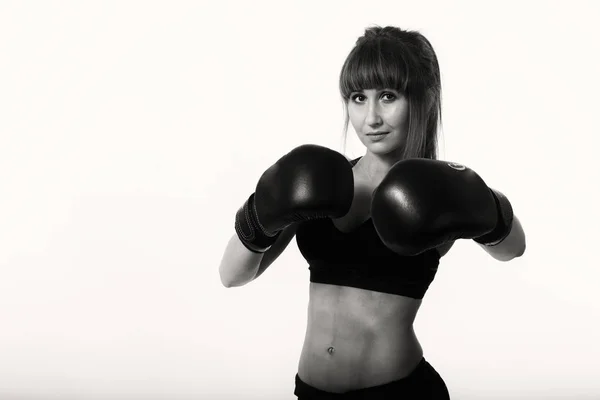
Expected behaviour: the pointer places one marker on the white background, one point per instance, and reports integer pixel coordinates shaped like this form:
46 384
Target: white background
130 133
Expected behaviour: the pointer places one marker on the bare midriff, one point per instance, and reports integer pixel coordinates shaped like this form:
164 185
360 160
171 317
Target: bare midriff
357 338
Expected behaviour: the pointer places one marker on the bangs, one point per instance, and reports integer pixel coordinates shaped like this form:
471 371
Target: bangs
374 64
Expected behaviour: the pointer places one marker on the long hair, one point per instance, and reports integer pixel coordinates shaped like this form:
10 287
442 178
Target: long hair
405 61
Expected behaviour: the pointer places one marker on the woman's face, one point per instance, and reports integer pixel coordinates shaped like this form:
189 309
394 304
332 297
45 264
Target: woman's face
380 118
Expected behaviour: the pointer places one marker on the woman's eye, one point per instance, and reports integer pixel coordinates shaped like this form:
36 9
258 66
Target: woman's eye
389 96
358 98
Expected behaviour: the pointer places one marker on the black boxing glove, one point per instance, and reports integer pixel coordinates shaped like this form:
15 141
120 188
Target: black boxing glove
307 183
423 203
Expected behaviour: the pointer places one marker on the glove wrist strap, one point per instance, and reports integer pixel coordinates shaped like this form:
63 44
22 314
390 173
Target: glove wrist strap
504 224
249 229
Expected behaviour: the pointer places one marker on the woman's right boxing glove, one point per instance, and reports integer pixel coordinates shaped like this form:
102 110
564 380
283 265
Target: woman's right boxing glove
307 183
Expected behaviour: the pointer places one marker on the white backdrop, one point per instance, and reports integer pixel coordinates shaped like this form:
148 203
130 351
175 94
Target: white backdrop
130 133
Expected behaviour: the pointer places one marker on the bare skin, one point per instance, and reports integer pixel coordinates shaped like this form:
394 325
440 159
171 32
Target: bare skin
356 338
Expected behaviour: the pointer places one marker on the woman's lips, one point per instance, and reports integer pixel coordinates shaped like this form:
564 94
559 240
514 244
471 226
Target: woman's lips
377 135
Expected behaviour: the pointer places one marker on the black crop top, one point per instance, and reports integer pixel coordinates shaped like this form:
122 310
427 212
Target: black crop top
360 259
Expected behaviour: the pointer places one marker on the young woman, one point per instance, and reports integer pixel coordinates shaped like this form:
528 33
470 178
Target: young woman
372 229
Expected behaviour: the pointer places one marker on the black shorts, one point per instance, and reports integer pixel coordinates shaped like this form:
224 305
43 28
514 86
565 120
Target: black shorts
424 383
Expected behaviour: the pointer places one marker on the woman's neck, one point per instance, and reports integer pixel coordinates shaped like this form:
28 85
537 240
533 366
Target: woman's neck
375 167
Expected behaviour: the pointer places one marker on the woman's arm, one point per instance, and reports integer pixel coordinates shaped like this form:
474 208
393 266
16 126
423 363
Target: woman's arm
511 247
240 266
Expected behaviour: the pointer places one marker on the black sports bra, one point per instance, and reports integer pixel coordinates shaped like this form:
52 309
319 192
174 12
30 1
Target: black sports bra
360 259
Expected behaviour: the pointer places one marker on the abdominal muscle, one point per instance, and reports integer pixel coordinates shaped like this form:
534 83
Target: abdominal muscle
357 338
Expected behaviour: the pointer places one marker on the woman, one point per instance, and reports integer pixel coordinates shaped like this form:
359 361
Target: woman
372 229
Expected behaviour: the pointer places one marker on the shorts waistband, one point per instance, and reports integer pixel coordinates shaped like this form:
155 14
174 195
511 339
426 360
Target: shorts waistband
403 386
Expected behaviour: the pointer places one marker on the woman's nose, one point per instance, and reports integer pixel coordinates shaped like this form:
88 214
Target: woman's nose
373 117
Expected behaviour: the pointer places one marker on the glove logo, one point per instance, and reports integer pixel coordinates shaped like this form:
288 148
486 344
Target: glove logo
457 166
